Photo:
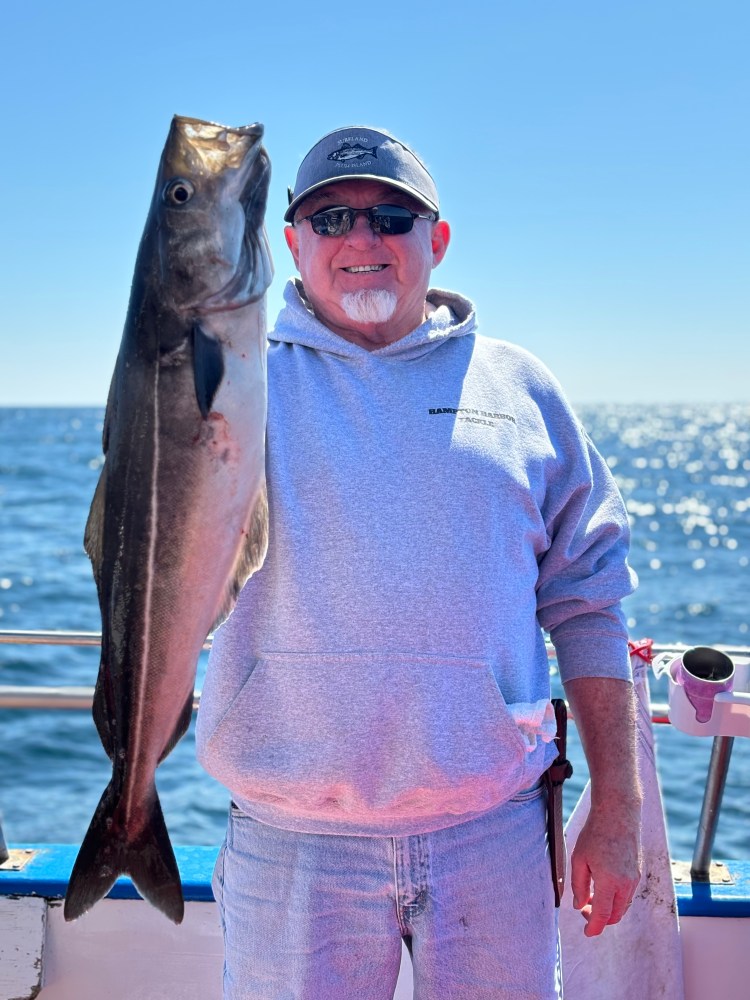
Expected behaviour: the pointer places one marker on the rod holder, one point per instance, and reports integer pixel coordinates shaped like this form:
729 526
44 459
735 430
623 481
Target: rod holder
718 766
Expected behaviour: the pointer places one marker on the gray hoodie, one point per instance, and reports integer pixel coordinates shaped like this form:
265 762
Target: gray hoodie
434 505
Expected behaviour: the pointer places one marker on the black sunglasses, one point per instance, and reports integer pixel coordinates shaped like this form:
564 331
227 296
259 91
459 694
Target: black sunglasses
390 220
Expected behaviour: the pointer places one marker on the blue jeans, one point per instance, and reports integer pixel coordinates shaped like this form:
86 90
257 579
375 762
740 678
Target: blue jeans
322 917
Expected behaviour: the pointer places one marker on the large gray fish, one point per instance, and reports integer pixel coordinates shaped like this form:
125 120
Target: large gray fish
179 518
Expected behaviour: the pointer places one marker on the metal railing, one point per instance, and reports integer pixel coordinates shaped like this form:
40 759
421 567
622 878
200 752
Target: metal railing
80 697
60 696
14 696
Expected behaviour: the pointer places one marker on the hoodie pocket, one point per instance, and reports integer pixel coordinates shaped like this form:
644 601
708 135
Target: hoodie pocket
369 736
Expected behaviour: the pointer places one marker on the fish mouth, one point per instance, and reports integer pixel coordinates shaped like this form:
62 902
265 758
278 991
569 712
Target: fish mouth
215 147
208 129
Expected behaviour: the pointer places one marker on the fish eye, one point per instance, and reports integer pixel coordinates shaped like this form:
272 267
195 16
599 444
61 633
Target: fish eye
178 191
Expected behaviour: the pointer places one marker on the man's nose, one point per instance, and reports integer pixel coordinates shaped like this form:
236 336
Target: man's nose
362 231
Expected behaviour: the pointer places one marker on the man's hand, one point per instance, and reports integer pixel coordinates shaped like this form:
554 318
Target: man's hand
607 852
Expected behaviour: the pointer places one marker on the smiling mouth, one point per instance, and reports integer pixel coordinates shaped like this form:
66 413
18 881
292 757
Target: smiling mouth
364 267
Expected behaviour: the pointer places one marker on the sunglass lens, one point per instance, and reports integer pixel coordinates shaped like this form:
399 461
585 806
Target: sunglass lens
331 223
392 220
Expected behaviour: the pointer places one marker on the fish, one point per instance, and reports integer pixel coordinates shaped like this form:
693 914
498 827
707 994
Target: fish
179 516
355 152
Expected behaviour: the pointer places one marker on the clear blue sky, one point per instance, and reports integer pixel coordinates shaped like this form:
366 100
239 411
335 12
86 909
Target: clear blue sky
591 156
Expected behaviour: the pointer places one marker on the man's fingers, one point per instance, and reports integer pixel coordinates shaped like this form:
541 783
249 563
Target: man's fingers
603 910
620 908
599 913
580 882
604 875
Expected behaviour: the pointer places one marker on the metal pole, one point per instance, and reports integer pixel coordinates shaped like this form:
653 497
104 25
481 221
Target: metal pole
721 752
26 696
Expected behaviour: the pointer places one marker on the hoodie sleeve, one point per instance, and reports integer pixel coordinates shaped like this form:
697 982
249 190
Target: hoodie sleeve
584 574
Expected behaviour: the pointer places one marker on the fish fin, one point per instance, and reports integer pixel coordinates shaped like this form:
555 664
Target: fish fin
250 558
110 413
208 368
180 729
101 712
106 853
93 534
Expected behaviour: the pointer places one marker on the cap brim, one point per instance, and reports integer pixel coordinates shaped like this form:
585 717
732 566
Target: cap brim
399 185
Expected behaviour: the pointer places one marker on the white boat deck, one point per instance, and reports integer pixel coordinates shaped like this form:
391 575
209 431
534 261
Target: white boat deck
126 950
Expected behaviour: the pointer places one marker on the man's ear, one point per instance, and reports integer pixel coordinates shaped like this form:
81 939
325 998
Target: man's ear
441 237
292 241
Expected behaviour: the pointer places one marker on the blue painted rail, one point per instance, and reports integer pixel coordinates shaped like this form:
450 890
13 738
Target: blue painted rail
46 874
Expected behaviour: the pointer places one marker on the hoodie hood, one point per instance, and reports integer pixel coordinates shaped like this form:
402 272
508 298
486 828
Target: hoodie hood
452 316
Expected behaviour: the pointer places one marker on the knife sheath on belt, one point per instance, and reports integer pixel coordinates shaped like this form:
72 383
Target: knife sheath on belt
553 778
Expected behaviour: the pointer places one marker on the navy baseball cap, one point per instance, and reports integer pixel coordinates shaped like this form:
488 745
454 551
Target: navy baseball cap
360 153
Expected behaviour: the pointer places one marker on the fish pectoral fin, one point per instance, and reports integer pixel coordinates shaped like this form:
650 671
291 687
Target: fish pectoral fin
208 368
180 729
250 558
108 852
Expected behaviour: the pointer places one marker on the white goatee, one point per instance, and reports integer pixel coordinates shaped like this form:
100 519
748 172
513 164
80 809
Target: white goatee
369 305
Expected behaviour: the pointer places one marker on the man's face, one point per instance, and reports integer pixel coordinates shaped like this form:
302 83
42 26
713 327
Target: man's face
330 265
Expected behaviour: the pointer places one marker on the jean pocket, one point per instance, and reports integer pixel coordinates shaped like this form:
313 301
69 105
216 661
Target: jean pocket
217 880
535 791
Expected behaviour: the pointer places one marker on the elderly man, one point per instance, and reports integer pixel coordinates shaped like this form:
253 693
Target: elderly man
378 702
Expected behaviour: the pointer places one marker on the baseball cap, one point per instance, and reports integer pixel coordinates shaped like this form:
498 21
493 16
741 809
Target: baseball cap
360 153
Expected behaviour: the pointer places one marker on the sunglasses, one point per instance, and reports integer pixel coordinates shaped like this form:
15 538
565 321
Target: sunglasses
389 220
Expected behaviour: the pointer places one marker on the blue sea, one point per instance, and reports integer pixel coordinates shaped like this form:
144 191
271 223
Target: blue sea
684 472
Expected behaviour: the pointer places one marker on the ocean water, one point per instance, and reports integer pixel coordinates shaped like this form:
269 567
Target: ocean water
684 472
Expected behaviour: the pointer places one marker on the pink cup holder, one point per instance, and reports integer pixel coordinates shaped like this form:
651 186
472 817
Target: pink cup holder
703 672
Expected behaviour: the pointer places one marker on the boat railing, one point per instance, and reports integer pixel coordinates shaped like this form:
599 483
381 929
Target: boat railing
58 696
39 696
14 696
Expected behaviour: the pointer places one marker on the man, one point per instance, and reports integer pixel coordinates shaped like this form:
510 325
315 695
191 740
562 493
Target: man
378 702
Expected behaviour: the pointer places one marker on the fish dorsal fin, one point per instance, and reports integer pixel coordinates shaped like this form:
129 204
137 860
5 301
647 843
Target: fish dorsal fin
250 557
110 413
208 368
93 536
94 532
93 543
102 712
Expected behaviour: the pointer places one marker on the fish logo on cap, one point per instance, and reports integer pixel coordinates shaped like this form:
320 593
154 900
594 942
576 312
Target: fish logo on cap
352 152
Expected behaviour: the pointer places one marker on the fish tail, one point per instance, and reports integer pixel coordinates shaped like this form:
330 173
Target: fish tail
108 852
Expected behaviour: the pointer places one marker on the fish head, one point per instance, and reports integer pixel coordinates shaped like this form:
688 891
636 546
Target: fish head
208 215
